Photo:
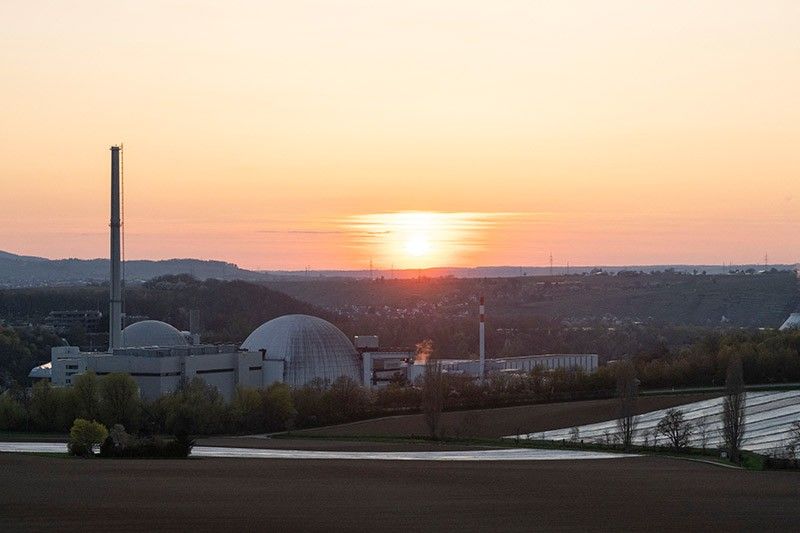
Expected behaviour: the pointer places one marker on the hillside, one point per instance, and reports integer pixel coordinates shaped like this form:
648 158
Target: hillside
738 300
26 271
229 310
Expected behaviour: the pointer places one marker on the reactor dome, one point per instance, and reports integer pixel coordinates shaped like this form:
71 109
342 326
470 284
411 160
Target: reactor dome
312 348
151 333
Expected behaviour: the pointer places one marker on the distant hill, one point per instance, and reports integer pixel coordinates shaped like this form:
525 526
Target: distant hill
26 271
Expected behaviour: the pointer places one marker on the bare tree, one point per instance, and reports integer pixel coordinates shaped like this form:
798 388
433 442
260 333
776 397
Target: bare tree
676 428
433 392
793 446
701 427
733 406
627 394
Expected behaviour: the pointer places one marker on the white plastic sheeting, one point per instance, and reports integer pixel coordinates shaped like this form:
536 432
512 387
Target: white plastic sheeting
516 454
768 420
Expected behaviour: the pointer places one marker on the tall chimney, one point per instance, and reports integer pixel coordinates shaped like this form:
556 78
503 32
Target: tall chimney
482 341
115 315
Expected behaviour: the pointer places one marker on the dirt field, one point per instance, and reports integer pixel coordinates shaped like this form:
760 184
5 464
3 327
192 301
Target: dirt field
493 423
292 495
332 445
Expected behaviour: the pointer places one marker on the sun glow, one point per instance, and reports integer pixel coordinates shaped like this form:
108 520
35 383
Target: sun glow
418 245
419 239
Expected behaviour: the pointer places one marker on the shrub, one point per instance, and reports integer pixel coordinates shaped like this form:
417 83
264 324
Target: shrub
178 447
84 435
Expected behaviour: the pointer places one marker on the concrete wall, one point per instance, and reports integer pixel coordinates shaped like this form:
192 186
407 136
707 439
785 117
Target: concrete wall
161 371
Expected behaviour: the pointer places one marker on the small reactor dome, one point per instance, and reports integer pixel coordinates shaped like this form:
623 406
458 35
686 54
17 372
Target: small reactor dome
151 333
312 348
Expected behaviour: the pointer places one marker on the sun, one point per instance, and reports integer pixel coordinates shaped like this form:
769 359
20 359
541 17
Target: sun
418 239
418 245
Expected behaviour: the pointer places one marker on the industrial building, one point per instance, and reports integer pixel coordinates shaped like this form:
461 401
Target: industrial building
63 321
292 349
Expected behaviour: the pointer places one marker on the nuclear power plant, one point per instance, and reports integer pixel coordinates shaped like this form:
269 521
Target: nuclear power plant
291 349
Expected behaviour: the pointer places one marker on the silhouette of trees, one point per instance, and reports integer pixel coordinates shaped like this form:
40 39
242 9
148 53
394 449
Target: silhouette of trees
676 428
627 394
733 410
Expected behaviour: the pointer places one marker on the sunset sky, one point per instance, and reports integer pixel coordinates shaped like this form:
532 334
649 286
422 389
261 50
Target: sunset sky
280 135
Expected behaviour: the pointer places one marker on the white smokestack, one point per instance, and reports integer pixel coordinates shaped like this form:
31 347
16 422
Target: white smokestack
482 341
115 315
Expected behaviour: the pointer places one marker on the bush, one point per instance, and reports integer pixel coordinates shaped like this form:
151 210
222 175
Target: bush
84 435
178 447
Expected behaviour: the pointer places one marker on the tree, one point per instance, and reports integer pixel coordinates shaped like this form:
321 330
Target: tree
308 401
794 441
197 408
119 400
433 394
12 413
627 394
677 429
84 435
247 407
87 396
733 409
277 407
44 407
345 400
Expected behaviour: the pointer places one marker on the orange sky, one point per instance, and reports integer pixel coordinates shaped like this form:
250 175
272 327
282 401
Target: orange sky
287 134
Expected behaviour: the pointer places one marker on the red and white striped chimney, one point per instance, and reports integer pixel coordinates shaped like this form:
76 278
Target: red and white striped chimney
482 341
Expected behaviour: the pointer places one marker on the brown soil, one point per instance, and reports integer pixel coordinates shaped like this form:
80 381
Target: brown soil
330 445
636 494
494 423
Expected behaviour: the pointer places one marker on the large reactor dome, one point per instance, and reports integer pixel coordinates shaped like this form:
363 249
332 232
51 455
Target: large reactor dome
312 348
151 333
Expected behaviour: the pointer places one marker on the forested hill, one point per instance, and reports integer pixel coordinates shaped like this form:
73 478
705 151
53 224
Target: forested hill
736 300
229 310
27 271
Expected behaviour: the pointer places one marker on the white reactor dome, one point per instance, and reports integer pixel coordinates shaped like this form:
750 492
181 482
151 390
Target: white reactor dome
312 348
151 333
